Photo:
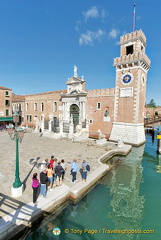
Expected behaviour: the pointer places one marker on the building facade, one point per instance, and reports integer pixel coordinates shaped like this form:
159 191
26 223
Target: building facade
117 112
5 105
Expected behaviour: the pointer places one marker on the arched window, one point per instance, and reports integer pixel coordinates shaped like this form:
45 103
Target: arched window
42 107
27 107
106 113
55 107
35 106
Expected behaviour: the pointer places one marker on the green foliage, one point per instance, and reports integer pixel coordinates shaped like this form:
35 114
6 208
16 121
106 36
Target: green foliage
151 104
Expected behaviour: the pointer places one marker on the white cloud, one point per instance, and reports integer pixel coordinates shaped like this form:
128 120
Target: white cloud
104 14
78 25
89 37
91 13
113 33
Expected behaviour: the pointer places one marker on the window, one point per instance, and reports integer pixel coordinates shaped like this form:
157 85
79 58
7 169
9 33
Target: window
55 107
35 106
27 106
7 103
7 112
7 93
42 107
42 118
106 113
20 107
98 105
90 121
129 50
29 118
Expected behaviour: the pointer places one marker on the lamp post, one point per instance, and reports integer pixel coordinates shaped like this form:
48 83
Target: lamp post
16 133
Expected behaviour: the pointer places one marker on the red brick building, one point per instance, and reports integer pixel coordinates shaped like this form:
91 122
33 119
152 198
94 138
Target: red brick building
117 112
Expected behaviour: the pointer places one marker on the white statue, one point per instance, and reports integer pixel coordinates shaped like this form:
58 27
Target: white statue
37 124
100 135
80 131
120 142
75 71
60 117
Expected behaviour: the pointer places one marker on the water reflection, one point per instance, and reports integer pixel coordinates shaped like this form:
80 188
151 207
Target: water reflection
158 165
128 197
127 203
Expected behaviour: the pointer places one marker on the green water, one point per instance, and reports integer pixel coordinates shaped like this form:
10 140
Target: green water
127 198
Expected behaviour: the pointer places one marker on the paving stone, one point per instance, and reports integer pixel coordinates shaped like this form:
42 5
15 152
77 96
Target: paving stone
33 147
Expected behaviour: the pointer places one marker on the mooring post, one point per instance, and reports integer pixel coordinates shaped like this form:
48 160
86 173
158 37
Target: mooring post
159 142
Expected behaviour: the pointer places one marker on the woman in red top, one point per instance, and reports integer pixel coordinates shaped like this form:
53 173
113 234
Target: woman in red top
51 162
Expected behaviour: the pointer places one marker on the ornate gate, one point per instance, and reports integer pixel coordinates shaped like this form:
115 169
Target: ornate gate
74 111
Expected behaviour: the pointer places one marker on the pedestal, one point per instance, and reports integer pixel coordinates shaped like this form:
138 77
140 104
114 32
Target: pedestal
130 133
101 141
16 192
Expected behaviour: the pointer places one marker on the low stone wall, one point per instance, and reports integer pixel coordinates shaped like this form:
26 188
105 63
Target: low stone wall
23 217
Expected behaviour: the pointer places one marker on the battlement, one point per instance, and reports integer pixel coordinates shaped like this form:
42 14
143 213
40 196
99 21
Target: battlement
131 58
101 92
133 36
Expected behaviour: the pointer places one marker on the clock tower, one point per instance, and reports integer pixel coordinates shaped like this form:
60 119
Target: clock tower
130 92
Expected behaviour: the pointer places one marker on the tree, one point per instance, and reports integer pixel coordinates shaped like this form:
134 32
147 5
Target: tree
151 104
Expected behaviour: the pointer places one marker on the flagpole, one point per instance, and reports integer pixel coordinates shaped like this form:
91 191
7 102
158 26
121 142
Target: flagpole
134 18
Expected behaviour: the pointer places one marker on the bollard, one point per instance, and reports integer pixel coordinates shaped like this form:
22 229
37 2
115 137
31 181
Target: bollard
159 144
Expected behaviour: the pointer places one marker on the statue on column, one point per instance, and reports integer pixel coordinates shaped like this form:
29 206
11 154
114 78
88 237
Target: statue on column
75 71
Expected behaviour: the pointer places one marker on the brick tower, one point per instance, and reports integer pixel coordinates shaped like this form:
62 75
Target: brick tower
130 92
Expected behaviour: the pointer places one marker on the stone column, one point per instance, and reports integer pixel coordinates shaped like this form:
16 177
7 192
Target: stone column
50 125
63 110
71 126
83 111
61 127
42 125
50 122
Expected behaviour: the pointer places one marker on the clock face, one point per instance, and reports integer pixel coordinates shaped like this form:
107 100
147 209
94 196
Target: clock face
126 79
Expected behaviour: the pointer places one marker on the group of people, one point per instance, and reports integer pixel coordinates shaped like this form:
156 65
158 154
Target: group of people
83 170
53 170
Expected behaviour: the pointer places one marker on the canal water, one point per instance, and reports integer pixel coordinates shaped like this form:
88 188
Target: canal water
125 205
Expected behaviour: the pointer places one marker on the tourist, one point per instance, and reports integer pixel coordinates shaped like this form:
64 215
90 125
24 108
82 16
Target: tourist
35 187
54 166
47 162
84 170
58 172
43 181
64 168
43 166
51 162
40 131
74 170
50 173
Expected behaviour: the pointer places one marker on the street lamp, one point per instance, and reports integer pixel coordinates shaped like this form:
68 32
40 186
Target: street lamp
16 133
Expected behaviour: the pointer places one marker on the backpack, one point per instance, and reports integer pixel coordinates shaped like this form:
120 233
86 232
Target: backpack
88 167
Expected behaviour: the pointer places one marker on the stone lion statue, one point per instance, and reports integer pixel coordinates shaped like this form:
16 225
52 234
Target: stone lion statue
80 131
100 135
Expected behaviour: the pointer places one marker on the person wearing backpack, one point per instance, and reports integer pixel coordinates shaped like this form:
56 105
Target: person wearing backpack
84 170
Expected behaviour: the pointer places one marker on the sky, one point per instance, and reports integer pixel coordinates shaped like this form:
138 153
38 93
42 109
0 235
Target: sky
42 40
